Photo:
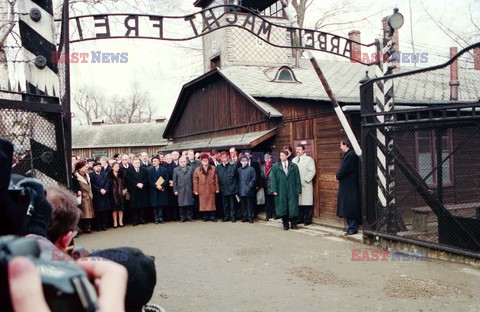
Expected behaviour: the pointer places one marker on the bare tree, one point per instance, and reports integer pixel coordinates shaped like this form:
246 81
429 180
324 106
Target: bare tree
136 107
89 103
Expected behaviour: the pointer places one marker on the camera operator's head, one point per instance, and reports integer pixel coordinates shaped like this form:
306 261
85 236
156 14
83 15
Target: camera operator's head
65 216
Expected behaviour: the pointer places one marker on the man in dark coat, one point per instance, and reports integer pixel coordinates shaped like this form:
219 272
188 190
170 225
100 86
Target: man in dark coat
285 185
228 180
265 170
137 180
246 189
255 164
101 200
183 188
194 164
171 213
158 189
348 204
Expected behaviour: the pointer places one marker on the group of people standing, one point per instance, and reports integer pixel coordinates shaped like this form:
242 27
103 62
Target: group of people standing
181 187
229 185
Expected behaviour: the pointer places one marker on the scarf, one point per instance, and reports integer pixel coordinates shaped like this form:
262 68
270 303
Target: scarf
268 165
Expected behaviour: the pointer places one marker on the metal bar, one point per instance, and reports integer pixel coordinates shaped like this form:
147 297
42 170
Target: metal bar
418 122
421 70
30 106
438 148
67 115
423 244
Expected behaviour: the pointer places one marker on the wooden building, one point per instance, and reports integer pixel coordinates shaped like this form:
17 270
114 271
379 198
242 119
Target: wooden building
244 100
107 140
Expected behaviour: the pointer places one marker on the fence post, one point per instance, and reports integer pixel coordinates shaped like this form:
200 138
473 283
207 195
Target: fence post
383 90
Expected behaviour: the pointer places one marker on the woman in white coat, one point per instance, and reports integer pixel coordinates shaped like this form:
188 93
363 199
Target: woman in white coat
306 166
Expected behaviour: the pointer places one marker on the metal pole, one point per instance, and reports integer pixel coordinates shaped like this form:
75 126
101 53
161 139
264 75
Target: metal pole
328 90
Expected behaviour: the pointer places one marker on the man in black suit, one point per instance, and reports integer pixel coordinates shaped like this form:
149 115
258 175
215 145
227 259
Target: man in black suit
137 181
255 164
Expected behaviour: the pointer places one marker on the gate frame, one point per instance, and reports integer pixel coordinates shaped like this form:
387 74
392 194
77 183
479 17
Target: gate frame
370 119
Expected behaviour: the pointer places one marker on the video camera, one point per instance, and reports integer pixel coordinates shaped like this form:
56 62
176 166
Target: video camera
66 287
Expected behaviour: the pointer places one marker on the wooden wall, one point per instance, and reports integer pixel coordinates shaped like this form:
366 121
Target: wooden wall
217 106
316 120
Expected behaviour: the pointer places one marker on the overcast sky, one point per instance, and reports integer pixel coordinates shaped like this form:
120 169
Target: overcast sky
161 68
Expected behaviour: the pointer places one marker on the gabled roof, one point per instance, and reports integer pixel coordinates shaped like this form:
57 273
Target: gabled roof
265 108
118 135
344 77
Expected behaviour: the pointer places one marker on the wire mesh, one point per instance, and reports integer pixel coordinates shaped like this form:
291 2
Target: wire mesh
434 132
38 144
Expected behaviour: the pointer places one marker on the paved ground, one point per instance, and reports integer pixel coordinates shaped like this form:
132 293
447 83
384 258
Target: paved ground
259 267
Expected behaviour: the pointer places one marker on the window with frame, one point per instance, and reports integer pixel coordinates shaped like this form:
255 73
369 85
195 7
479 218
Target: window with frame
96 154
138 150
285 74
427 157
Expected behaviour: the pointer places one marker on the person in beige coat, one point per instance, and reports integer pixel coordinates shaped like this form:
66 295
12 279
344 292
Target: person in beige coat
306 166
82 186
205 185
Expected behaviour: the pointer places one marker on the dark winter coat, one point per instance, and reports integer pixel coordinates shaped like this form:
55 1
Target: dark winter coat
117 185
100 181
288 187
172 199
183 184
265 179
246 181
228 179
348 204
138 197
157 197
256 167
194 164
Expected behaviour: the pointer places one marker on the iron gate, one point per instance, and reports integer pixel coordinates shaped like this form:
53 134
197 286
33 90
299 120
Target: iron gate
433 161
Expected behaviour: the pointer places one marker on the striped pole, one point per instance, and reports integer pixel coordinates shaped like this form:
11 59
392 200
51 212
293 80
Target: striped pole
37 32
384 102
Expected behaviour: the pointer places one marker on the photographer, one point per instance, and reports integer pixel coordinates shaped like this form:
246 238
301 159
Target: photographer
65 217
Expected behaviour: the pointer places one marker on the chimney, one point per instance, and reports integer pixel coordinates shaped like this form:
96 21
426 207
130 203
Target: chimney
476 58
161 119
356 48
97 122
396 46
454 83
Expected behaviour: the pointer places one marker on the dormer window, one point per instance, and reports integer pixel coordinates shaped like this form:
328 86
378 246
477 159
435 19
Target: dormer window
285 74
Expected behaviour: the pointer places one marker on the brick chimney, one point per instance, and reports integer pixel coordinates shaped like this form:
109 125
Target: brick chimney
386 34
356 48
454 83
476 58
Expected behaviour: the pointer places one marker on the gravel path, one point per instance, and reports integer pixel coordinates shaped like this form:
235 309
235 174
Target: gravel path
259 267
